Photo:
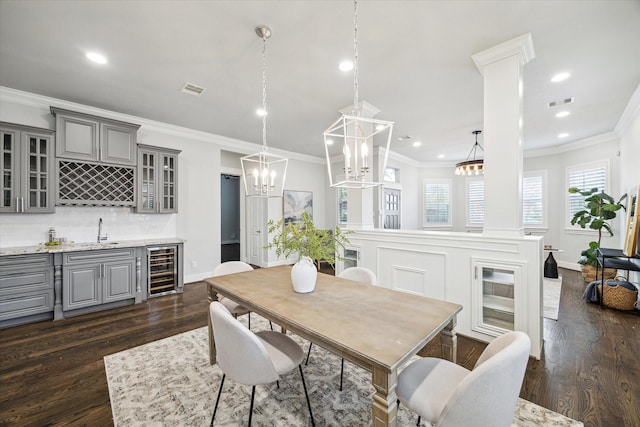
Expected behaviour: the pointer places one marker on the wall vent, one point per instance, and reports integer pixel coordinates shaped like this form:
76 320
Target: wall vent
561 102
192 89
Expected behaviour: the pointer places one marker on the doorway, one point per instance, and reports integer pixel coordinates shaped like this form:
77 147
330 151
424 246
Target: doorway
229 217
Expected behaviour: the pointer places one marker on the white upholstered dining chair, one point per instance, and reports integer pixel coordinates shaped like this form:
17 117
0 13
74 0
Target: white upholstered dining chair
252 358
448 395
357 274
231 267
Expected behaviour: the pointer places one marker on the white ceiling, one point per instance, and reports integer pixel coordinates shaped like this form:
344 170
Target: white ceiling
414 59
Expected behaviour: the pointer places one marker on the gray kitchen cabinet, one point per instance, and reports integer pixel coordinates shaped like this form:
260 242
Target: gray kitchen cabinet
157 180
90 138
26 289
26 169
92 278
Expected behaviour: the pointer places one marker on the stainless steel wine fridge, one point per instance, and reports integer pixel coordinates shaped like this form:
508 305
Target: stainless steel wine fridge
162 270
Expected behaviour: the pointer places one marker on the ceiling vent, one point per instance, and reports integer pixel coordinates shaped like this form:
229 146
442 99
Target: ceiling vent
561 102
192 89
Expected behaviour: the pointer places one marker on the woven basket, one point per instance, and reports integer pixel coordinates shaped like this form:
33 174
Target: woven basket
589 273
617 296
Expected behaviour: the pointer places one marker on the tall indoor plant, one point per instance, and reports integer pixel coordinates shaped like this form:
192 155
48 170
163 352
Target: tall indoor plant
599 209
309 244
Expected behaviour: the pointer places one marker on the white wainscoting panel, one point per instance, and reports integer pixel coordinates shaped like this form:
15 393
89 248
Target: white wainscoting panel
417 272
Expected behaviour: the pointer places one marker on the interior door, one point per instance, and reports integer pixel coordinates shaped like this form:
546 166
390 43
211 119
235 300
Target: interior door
255 220
391 208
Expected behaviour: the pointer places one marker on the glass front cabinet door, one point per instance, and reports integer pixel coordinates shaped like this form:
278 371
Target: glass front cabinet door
497 297
157 180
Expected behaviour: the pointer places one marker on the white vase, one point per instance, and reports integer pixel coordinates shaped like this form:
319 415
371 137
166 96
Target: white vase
304 275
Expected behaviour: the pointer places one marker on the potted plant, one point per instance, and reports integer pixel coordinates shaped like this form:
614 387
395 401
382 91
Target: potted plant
308 243
599 209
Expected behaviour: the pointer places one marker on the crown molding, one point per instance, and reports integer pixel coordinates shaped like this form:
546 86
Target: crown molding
631 111
521 45
571 146
225 143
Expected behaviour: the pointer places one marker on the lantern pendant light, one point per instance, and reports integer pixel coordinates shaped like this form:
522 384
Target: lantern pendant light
352 137
264 173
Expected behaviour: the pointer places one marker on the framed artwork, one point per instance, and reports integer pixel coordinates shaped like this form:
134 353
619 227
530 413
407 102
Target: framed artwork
631 245
295 203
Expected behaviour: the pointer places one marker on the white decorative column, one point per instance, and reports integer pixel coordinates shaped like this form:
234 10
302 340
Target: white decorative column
501 67
360 212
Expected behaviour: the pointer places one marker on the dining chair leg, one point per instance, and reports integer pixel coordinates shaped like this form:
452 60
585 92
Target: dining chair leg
341 372
278 383
418 423
313 423
253 393
308 353
249 315
217 400
271 325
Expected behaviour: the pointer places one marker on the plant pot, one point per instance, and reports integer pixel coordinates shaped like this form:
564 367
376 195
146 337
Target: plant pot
589 273
304 275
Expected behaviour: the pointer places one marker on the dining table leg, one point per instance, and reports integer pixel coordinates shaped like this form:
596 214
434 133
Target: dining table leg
384 410
212 296
449 341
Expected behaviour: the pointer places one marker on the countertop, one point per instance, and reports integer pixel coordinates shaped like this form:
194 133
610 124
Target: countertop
87 246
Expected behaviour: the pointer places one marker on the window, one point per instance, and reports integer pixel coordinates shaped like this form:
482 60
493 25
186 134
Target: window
437 205
475 202
585 177
341 194
391 175
534 199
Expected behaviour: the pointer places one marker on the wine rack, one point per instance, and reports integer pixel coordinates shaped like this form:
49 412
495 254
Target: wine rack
162 270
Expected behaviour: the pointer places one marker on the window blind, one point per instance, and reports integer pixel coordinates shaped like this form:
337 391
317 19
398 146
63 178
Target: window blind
436 203
532 200
475 202
585 179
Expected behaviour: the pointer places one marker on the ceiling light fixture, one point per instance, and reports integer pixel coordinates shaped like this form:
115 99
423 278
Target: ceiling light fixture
560 77
417 144
346 66
473 166
563 135
264 173
96 57
562 114
357 134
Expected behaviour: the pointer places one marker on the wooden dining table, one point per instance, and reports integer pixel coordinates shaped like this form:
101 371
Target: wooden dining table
376 328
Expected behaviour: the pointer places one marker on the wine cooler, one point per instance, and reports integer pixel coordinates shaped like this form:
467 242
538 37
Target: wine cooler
162 270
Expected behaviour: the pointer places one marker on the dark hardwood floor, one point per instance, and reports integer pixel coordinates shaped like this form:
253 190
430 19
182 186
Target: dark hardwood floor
52 373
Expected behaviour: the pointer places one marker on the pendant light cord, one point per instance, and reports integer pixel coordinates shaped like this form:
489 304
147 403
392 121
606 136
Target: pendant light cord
355 58
264 91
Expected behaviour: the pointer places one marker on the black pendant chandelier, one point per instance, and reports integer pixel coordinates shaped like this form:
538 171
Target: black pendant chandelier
472 166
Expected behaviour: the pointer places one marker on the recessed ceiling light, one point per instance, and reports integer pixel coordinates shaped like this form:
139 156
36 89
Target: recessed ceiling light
563 135
562 114
346 66
380 127
417 144
261 112
96 57
560 77
329 141
441 156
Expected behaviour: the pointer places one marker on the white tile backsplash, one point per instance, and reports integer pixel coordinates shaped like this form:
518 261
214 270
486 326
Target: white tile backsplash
80 224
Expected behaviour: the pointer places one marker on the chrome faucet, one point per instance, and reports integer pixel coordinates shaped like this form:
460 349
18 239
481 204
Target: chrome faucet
100 236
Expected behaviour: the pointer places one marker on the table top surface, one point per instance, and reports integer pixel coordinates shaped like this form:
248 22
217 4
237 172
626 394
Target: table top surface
367 324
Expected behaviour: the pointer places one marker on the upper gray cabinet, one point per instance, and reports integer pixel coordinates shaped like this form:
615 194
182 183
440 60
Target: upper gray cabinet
26 169
157 180
90 138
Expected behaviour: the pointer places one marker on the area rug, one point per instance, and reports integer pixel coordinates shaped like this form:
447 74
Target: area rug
170 383
551 290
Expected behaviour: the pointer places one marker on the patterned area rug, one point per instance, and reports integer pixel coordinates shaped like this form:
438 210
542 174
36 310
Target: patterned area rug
551 290
170 383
